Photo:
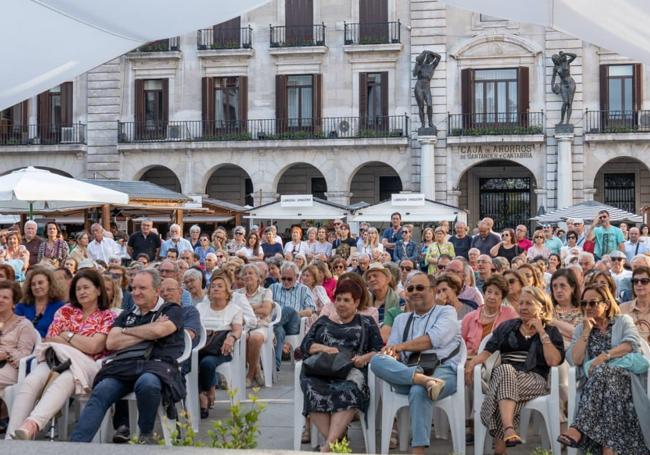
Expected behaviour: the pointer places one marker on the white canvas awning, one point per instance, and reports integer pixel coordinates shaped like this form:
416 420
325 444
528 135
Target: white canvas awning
430 211
319 210
48 42
588 211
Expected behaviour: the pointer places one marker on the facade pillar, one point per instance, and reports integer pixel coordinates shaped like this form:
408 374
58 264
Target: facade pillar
428 166
453 197
261 197
564 169
589 193
540 193
339 197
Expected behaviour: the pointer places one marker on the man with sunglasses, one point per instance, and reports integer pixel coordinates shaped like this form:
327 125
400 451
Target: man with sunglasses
635 245
608 238
430 328
620 275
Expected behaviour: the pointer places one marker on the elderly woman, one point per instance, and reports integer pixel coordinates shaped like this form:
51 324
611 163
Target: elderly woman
438 247
261 301
295 246
193 282
538 248
78 335
42 297
565 294
338 266
312 278
332 403
529 347
53 248
612 414
447 287
484 320
364 308
516 282
224 323
17 340
639 308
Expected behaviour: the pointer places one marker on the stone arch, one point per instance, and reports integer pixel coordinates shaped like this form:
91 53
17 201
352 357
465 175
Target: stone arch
45 168
231 183
372 181
623 182
501 189
161 176
301 178
510 42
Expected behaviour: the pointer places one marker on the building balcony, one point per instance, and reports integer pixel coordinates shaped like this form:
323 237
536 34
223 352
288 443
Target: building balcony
617 125
36 135
325 128
297 36
372 34
164 45
496 127
236 38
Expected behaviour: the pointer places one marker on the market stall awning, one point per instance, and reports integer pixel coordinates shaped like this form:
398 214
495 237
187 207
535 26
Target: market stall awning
413 208
588 211
317 209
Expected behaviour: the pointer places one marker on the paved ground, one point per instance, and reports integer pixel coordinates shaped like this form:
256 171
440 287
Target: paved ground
276 429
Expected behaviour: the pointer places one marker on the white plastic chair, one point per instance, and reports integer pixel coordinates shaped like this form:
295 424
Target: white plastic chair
394 403
24 365
296 340
548 406
235 370
267 358
299 419
192 383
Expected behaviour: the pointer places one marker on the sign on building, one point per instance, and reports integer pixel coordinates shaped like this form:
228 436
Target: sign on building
408 199
297 200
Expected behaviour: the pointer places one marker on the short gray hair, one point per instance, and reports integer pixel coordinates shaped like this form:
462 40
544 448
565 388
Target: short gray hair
153 273
288 265
31 222
195 227
193 274
253 267
174 263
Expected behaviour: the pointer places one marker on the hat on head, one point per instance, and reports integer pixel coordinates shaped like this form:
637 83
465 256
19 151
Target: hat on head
377 266
578 221
86 264
617 254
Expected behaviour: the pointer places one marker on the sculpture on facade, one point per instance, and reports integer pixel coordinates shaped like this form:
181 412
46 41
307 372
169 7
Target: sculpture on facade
566 87
425 65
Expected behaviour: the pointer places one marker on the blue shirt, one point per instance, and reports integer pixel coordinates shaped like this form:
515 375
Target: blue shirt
271 250
607 240
392 236
29 311
203 252
554 244
405 251
298 297
180 245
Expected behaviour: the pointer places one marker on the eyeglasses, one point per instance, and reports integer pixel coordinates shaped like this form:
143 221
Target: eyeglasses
417 287
166 271
591 303
642 281
441 267
539 237
406 269
616 259
602 217
336 267
239 233
286 278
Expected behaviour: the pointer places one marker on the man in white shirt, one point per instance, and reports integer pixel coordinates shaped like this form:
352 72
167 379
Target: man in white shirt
621 277
635 245
102 247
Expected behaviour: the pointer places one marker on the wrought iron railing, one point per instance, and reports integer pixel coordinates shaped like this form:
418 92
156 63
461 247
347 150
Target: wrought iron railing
373 33
501 123
43 134
232 38
617 121
264 129
163 45
297 35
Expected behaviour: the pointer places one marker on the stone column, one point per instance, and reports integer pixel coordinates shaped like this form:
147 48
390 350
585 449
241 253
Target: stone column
428 166
453 197
339 197
589 193
564 168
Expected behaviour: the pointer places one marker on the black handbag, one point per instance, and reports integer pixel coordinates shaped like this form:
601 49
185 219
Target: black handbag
214 343
429 361
332 366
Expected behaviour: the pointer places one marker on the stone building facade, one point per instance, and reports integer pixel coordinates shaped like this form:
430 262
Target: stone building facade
315 96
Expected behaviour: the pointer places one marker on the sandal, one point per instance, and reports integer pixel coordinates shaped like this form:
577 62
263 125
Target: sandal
205 413
434 388
513 440
568 441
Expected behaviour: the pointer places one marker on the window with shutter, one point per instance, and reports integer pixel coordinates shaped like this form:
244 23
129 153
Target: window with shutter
151 108
300 101
227 35
299 20
54 112
373 21
620 95
373 100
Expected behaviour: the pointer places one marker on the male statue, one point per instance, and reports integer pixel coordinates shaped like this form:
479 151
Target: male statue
566 88
425 65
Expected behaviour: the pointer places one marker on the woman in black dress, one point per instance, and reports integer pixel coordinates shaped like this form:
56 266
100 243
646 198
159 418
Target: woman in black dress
508 247
332 403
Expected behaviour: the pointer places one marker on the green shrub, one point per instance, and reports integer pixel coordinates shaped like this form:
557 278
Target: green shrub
341 446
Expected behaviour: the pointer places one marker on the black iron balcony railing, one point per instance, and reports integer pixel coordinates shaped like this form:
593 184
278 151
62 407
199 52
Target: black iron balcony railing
374 33
502 123
297 35
163 45
617 121
231 38
42 134
264 129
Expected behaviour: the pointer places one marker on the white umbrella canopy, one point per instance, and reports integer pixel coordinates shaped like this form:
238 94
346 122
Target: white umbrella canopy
620 26
54 41
40 189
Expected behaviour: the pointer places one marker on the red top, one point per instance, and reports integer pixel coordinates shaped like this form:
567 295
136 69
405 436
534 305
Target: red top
70 319
524 244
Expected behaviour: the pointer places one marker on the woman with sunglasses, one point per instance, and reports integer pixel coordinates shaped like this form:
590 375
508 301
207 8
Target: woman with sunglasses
538 248
639 308
339 267
571 244
611 415
42 297
507 247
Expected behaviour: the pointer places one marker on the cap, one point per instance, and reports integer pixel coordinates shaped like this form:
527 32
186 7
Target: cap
86 264
617 254
377 266
578 221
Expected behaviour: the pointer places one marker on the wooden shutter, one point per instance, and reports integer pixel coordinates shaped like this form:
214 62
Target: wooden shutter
604 87
281 102
139 108
24 111
363 96
373 21
227 34
207 105
243 103
299 20
384 96
43 110
66 104
466 97
317 101
638 84
165 101
523 95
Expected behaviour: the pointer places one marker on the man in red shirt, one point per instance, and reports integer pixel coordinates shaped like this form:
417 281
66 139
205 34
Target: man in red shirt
521 233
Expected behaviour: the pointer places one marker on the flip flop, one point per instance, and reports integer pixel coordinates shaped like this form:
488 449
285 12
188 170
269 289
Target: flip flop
568 441
513 440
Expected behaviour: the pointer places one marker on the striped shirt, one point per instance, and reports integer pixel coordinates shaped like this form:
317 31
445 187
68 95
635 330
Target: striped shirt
298 297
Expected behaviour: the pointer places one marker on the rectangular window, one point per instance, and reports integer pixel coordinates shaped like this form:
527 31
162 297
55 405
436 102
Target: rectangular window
300 93
620 96
151 110
620 191
620 88
495 96
153 103
389 185
55 107
226 101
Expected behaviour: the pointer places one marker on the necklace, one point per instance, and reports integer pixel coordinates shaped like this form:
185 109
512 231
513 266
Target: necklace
488 315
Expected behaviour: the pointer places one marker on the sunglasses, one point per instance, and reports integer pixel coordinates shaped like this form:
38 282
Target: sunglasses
512 281
239 233
616 259
417 287
591 303
441 267
642 281
406 269
286 278
602 217
339 267
505 234
539 237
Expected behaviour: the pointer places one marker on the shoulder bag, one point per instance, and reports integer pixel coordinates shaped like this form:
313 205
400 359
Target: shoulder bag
332 366
427 362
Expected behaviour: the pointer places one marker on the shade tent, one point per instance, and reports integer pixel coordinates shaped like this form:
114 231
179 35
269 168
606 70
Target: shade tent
53 41
430 211
588 211
319 210
619 26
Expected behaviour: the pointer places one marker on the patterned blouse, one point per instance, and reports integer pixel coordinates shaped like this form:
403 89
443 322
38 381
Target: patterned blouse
70 319
58 250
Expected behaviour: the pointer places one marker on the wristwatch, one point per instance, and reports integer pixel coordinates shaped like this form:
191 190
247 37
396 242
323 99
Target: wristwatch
69 336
